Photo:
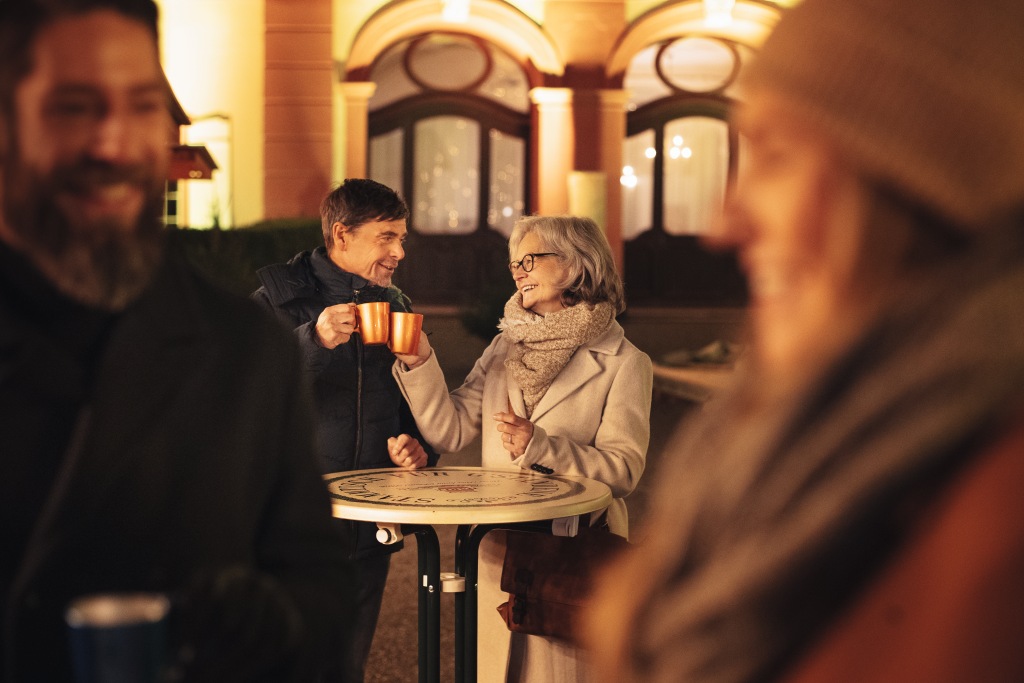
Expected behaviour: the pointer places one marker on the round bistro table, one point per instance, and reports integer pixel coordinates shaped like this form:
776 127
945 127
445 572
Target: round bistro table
478 500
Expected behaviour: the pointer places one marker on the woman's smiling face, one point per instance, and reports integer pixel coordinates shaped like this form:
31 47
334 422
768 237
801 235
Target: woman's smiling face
542 286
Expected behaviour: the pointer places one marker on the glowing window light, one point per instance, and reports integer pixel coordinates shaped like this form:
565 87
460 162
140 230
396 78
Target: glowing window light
718 13
455 11
628 177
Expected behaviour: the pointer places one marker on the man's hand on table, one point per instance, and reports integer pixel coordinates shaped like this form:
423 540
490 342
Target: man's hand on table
407 452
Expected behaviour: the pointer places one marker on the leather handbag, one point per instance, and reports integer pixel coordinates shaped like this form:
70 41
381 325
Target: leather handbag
548 578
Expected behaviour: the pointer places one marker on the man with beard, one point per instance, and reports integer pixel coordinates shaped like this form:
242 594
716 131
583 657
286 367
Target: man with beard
155 435
364 421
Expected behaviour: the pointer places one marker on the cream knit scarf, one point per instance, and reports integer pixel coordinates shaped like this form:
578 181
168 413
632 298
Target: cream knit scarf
542 345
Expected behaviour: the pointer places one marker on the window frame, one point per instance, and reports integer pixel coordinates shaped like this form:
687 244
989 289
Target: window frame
656 115
406 113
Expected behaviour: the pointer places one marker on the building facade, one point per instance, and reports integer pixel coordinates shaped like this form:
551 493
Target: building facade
480 111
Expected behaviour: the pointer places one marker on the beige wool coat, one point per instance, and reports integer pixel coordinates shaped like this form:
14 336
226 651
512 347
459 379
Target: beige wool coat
593 421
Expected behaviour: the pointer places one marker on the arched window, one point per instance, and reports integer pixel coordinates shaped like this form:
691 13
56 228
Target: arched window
449 124
679 156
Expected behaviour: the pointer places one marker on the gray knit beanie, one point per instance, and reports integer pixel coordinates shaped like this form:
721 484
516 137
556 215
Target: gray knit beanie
927 95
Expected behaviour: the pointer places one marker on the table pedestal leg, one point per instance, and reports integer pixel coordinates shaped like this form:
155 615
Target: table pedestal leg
461 538
467 546
428 555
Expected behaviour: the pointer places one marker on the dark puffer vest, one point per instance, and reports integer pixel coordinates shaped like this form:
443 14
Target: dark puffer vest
359 406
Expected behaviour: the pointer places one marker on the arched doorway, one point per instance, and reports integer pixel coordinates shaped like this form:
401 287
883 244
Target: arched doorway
680 153
449 124
449 127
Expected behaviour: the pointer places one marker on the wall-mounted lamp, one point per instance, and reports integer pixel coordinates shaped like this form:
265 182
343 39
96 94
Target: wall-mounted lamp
718 13
222 216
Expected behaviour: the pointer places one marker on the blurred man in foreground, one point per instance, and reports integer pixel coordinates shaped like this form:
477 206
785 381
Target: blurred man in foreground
155 436
851 510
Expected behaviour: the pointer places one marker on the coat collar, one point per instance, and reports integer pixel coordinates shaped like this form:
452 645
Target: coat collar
44 335
336 281
578 371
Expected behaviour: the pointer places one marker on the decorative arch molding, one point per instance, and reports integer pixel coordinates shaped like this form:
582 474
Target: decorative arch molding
495 21
752 22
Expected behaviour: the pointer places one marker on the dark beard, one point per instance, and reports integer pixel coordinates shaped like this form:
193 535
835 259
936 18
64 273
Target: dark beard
99 264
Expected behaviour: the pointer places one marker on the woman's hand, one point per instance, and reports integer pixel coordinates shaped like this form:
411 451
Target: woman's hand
407 452
516 432
421 355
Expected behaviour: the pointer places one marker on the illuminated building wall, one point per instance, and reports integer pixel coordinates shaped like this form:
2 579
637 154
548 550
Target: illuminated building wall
264 82
213 53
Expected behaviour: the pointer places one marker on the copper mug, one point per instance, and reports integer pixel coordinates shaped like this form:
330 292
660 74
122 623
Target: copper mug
405 332
372 322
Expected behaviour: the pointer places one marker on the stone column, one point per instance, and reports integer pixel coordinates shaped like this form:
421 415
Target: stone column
351 129
553 135
600 130
611 110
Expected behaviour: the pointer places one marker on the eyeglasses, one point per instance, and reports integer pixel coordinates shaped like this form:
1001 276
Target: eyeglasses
527 261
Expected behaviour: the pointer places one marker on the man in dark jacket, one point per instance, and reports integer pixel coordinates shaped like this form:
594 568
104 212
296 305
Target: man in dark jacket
364 421
155 433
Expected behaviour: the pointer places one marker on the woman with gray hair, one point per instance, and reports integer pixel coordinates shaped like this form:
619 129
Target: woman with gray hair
565 392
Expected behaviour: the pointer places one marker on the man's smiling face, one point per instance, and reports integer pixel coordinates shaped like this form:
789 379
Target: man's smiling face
87 151
371 251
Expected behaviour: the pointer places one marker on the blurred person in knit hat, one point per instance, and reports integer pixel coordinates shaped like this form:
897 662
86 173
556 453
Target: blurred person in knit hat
850 509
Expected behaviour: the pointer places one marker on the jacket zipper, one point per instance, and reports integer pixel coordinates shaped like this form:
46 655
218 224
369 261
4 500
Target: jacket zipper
359 393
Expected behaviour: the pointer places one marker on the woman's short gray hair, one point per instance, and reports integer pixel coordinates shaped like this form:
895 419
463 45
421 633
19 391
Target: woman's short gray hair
592 276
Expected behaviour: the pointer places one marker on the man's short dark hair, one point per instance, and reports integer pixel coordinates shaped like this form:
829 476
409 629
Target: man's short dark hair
358 201
22 20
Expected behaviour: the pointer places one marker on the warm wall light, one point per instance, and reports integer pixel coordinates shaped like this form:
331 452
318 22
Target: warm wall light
455 11
718 13
222 216
628 177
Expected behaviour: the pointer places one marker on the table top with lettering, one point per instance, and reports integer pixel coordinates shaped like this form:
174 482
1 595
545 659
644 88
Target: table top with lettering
461 495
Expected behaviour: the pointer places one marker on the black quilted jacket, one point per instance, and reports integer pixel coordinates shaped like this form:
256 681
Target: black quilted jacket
358 403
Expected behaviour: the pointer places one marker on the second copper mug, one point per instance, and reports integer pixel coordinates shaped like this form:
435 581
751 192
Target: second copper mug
373 322
405 332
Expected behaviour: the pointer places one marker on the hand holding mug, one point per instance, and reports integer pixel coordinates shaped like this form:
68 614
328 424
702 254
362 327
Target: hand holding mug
336 325
236 623
413 360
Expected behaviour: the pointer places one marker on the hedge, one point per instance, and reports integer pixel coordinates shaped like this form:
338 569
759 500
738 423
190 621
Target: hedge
232 257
